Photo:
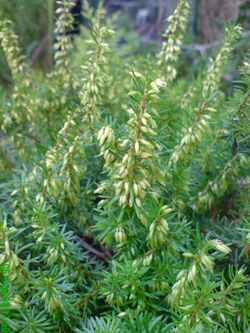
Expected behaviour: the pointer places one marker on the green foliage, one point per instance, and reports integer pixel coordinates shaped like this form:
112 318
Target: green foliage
124 196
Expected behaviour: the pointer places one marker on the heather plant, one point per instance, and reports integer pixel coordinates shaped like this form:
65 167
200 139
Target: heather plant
124 202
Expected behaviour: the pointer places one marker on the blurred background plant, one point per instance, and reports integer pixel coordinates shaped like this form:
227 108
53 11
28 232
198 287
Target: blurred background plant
140 26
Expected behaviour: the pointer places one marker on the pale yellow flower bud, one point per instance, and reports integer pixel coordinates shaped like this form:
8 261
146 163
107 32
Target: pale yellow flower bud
220 246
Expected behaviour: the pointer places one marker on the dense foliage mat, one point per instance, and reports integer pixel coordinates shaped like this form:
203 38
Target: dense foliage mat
124 187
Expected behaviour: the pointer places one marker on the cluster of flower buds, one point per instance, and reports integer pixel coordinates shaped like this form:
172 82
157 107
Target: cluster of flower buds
71 171
111 298
63 43
215 71
178 289
205 261
94 72
187 97
191 137
159 285
106 138
138 168
15 301
120 235
147 259
217 187
63 169
57 252
213 75
170 51
65 181
21 109
219 246
52 185
10 45
61 139
131 191
40 223
201 261
159 228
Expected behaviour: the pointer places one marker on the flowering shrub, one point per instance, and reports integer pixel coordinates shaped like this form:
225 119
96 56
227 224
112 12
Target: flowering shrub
124 192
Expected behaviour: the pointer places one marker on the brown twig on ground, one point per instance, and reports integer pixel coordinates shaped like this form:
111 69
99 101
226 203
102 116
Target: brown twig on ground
105 255
106 251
